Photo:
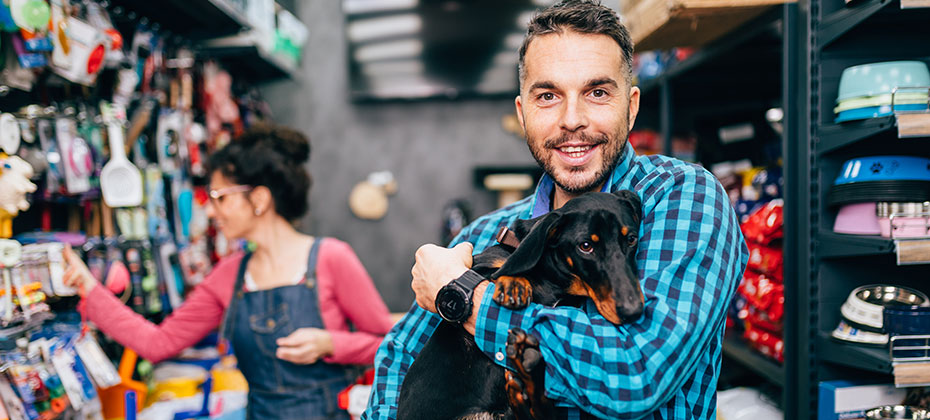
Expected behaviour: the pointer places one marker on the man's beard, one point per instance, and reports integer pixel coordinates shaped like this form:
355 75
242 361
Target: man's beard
612 149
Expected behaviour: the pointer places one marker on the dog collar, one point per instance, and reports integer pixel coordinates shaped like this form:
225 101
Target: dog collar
506 236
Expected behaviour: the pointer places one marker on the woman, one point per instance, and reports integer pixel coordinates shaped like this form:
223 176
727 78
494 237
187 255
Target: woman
285 307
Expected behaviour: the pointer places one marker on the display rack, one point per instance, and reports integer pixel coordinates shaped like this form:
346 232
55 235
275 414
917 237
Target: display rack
754 67
216 29
834 35
249 59
819 38
194 19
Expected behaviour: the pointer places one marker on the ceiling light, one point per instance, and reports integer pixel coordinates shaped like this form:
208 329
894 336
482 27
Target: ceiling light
368 6
514 41
361 30
393 67
506 59
389 50
498 79
409 89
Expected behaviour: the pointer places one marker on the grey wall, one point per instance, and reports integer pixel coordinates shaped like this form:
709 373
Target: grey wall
431 147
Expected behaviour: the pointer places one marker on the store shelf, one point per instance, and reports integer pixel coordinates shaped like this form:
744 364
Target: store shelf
663 24
768 23
190 18
11 333
835 245
845 19
246 58
737 350
873 359
835 136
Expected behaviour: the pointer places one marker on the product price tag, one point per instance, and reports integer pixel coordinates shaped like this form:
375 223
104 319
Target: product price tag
100 368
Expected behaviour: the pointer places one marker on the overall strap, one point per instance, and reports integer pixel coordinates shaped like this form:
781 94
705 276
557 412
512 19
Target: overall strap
237 294
310 277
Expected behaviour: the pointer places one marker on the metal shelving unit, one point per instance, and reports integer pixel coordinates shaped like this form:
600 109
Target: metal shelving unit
837 35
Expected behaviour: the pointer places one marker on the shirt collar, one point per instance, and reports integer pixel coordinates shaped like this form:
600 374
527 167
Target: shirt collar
542 199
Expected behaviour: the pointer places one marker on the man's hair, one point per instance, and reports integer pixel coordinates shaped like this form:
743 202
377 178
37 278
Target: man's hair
582 16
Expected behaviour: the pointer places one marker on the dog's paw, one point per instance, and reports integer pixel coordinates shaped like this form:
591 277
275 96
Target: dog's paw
516 394
523 351
512 292
524 384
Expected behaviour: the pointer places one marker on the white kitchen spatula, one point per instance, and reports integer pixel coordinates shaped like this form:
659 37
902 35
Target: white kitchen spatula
120 180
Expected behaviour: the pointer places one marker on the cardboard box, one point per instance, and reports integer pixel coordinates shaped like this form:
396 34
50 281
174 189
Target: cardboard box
847 400
663 24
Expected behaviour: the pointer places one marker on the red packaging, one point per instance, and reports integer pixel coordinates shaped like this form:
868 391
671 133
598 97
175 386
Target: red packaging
766 260
765 301
760 320
768 344
765 224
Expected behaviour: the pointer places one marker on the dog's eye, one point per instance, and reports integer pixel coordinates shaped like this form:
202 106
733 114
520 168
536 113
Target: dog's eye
586 247
631 239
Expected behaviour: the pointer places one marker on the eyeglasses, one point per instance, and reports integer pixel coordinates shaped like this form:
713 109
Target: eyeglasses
216 196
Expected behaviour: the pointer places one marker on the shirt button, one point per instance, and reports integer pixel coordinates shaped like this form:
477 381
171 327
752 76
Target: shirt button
499 356
270 323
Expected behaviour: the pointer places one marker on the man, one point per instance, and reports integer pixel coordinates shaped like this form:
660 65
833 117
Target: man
577 107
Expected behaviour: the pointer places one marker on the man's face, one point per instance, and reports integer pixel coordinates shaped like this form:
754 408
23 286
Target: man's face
576 107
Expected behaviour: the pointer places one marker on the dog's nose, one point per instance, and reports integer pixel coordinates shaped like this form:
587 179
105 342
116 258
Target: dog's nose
630 309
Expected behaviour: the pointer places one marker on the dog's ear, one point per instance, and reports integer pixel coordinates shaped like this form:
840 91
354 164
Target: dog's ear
531 248
522 227
631 200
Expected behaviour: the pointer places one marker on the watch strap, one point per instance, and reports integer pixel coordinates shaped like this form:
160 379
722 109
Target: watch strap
469 280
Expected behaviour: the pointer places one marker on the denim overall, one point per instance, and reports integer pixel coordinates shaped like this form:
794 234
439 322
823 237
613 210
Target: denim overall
280 389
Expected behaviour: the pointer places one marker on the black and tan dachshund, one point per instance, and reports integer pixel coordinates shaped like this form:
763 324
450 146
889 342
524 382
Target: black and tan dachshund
585 249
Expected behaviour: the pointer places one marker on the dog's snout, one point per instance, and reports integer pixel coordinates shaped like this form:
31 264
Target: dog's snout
630 307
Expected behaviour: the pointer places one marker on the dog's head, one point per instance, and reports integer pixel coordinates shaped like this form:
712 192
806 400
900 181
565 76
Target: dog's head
585 248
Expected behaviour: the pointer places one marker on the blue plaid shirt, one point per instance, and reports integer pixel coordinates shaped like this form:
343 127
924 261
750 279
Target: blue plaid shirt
665 365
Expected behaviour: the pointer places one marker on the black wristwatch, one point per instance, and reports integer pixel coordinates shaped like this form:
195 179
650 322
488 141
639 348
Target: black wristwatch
453 302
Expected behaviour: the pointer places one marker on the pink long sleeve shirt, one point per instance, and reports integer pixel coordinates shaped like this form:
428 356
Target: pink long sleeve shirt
345 291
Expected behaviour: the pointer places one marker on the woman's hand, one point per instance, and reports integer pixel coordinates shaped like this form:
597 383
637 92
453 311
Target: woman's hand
77 275
435 267
305 346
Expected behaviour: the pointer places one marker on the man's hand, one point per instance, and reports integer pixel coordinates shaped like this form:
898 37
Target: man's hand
305 346
435 267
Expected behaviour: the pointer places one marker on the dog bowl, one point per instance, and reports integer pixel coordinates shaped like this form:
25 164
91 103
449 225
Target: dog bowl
900 98
846 332
857 219
892 412
879 78
907 320
907 220
884 168
877 111
865 305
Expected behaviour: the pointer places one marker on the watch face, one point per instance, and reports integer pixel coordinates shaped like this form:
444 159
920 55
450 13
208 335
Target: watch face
452 304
